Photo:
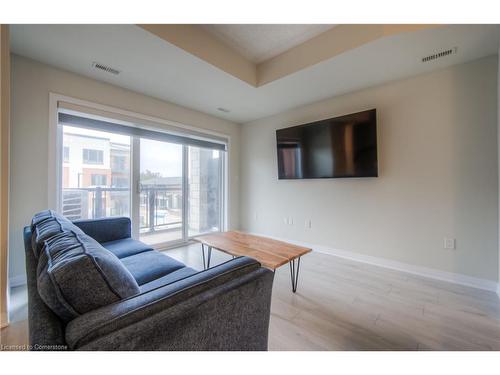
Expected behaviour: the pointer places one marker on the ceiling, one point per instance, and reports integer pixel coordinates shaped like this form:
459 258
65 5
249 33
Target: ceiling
259 43
154 67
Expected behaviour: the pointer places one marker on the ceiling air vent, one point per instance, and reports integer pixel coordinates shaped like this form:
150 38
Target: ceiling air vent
438 55
105 68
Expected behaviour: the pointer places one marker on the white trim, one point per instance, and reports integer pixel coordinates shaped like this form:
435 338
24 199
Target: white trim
135 172
431 273
18 280
185 192
54 152
224 221
106 108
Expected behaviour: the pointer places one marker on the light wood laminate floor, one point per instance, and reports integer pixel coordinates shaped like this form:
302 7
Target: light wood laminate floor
346 305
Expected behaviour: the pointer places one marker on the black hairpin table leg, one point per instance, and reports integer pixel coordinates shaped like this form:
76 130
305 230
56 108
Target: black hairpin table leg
294 272
206 259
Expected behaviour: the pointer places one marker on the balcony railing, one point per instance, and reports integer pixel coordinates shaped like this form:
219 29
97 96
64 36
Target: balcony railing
160 207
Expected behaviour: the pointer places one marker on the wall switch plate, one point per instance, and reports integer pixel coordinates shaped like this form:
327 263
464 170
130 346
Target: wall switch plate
255 216
308 224
290 221
449 243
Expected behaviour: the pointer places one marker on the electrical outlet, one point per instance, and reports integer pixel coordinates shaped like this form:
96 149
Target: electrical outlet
449 243
285 220
290 221
308 224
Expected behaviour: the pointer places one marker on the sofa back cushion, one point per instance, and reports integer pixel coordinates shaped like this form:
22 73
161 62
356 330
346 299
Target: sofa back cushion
75 274
46 224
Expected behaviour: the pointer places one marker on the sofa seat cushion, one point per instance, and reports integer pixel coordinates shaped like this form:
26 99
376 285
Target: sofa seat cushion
168 279
126 247
46 224
150 265
75 274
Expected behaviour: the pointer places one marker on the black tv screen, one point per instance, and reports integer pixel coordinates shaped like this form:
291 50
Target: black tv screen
344 146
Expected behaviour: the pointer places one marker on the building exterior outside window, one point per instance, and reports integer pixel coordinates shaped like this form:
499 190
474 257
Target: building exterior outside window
92 156
91 186
65 154
98 179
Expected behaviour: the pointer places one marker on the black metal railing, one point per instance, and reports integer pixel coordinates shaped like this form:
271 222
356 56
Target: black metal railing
160 207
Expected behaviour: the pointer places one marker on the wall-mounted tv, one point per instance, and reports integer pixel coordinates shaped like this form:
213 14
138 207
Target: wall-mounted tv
344 146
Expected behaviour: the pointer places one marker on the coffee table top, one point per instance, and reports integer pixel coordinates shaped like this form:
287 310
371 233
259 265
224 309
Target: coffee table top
270 253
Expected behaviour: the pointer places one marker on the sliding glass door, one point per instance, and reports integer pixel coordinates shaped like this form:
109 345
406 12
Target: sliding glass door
172 191
161 192
205 190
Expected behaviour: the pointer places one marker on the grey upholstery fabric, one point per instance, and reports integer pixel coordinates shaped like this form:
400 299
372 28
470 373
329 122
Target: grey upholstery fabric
168 279
46 224
46 330
151 265
106 229
224 308
77 275
41 216
126 247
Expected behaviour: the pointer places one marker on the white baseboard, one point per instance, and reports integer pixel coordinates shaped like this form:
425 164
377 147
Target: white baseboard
17 280
432 273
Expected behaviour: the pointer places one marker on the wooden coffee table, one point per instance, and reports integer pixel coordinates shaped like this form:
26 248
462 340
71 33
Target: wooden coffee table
268 252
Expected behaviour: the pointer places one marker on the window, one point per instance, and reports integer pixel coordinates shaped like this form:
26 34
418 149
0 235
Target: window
66 154
118 163
117 181
98 180
93 156
178 181
85 192
205 190
161 181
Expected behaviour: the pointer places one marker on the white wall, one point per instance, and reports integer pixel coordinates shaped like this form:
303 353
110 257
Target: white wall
437 149
31 84
498 154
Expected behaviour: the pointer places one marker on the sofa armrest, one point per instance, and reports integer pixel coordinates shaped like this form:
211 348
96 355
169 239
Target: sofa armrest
106 229
224 308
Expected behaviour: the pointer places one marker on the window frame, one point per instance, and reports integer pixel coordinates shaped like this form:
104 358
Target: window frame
87 160
122 164
101 176
56 156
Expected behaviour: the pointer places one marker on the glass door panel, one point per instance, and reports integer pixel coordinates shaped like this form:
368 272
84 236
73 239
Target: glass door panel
204 204
178 190
95 174
160 192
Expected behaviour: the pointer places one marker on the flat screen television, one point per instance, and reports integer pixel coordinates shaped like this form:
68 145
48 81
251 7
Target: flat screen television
344 146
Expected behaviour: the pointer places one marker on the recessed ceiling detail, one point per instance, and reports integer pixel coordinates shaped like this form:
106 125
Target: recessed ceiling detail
296 47
258 43
152 66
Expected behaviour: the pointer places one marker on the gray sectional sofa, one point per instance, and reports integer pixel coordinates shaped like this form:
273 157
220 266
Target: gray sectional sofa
92 287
